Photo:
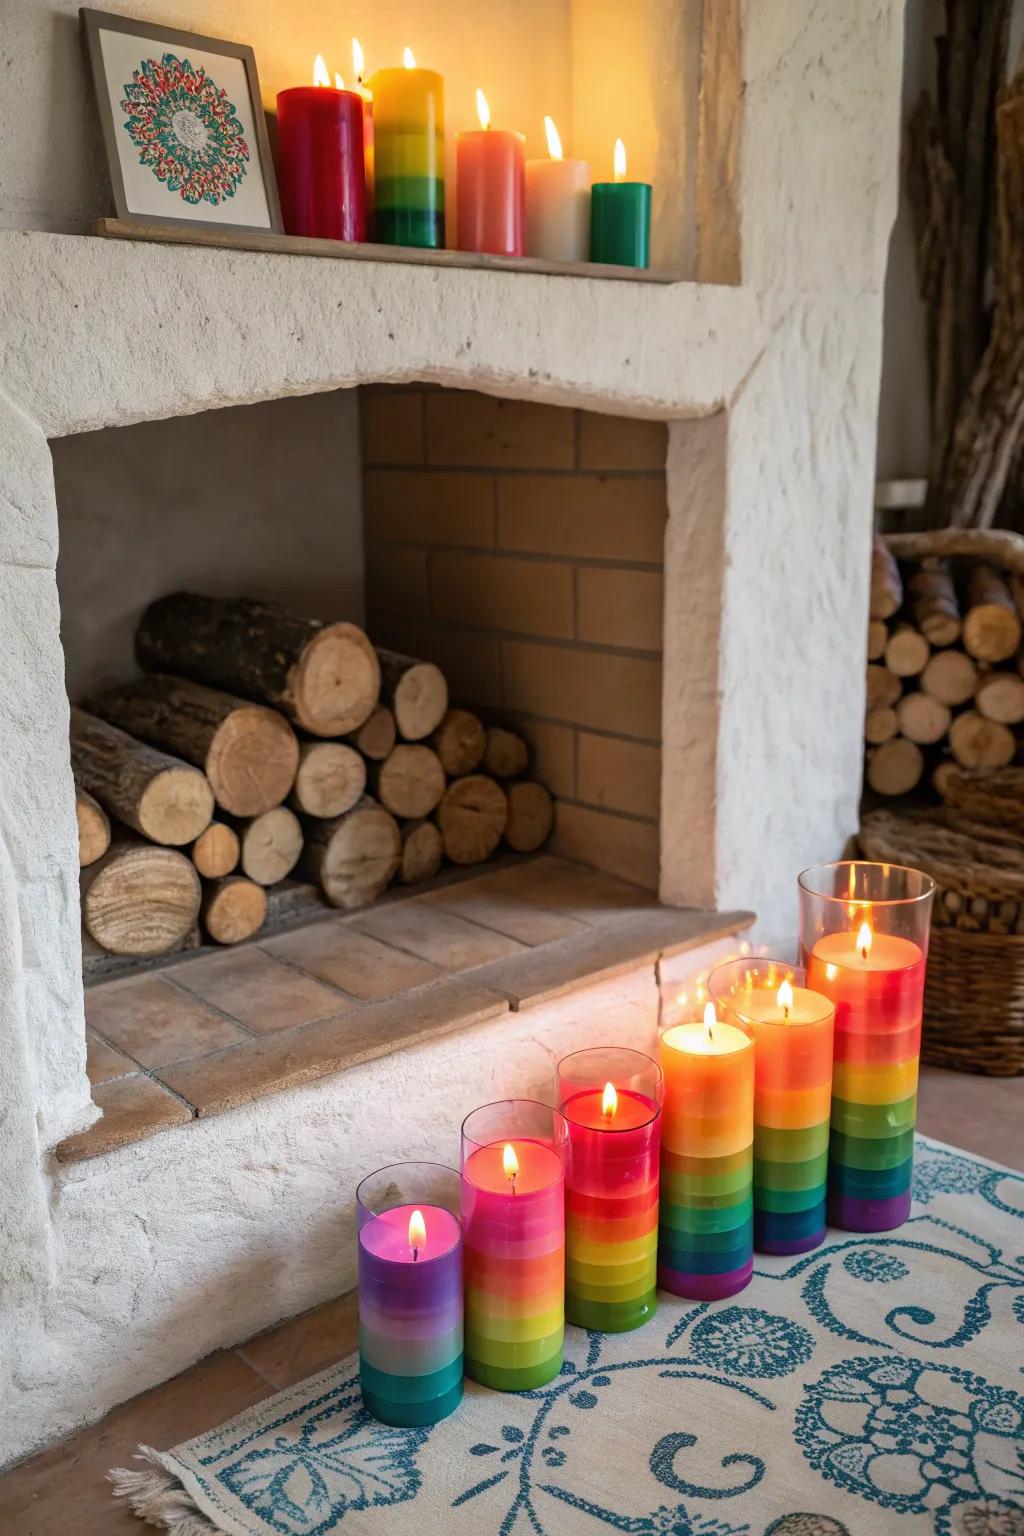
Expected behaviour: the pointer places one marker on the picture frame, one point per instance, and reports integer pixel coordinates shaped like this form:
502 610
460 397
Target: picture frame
183 126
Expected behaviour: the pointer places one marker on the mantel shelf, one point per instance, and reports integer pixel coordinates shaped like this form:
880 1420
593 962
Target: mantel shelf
340 250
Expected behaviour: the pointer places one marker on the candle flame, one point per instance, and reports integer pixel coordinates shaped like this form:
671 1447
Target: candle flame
710 1020
339 83
609 1101
510 1163
358 61
320 75
785 997
417 1232
554 142
409 59
864 940
619 160
483 111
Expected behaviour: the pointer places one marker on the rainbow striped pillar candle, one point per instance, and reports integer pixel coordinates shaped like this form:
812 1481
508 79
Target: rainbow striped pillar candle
513 1201
410 1293
864 931
792 1032
705 1248
408 151
611 1099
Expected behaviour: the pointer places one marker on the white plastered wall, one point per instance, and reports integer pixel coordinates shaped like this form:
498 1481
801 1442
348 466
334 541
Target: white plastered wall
772 391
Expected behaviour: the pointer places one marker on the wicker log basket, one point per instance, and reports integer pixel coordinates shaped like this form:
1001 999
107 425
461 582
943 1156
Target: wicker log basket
974 993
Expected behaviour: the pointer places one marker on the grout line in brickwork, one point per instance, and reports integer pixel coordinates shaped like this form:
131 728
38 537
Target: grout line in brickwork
504 553
588 730
423 424
558 471
577 438
607 810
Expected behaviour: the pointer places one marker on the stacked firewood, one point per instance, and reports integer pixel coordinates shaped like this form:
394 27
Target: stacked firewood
945 676
258 745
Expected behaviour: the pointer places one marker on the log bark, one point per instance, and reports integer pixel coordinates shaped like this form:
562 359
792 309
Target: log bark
215 852
93 828
248 752
140 899
271 845
895 767
1000 546
410 782
330 779
907 652
992 625
459 742
376 736
933 603
886 586
922 718
531 815
324 677
353 857
415 691
472 818
979 743
422 851
883 686
940 776
878 635
951 677
507 754
1000 696
233 909
879 725
163 798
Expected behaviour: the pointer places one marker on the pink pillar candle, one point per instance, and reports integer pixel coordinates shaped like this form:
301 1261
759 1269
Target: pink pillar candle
489 191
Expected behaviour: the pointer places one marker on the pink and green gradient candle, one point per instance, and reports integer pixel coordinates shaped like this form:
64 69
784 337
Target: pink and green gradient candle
791 1028
705 1248
513 1201
611 1099
864 933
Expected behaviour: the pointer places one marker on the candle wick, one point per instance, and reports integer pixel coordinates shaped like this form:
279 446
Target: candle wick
415 1254
512 1178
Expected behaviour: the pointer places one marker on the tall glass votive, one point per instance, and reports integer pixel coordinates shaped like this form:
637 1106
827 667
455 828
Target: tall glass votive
864 938
513 1199
792 1031
705 1223
410 1293
611 1099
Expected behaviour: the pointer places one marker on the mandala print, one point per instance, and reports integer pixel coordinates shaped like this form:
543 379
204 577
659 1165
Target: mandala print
744 1341
186 130
874 1266
981 1517
807 1525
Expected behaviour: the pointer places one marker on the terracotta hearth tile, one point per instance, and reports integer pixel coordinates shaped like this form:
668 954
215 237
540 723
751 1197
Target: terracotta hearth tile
584 516
555 969
223 1081
336 953
391 426
155 1022
493 908
580 687
478 430
587 894
621 442
306 1344
103 1063
439 937
133 1108
407 506
621 608
529 597
629 849
260 992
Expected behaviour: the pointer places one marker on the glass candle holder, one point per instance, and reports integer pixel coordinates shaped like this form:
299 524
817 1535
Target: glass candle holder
791 1027
410 1293
611 1099
513 1200
705 1224
864 940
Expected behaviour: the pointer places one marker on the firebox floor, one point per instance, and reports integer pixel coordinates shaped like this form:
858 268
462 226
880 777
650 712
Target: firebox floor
207 1033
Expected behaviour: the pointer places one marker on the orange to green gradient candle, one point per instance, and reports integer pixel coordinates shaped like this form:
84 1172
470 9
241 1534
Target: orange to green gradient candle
408 149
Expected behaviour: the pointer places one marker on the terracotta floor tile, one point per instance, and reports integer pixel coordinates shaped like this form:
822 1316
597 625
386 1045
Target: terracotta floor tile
259 991
492 907
64 1491
588 895
102 1062
984 1115
156 1022
133 1108
437 936
306 1344
335 952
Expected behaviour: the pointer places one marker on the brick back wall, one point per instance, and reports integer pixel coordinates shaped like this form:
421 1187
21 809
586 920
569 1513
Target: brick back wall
520 547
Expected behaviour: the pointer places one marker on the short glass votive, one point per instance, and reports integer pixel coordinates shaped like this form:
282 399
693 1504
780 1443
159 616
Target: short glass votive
864 940
611 1098
792 1032
410 1293
513 1200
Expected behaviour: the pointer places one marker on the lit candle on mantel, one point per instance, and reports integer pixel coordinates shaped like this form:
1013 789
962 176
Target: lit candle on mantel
557 204
620 217
408 143
358 69
489 187
321 170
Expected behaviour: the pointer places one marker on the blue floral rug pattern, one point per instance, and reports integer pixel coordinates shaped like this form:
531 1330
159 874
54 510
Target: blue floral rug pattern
874 1387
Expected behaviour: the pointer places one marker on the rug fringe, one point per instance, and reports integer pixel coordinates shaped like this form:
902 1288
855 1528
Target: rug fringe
158 1498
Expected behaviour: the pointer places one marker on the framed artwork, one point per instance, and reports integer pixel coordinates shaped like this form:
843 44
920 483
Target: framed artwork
183 126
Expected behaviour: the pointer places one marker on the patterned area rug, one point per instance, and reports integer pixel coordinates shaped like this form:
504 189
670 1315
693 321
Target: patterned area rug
871 1388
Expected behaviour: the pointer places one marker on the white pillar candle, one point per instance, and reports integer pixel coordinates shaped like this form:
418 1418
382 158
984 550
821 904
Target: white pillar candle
557 205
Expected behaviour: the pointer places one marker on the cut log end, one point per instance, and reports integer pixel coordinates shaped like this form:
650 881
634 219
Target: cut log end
531 815
93 828
472 818
157 795
879 725
215 852
252 760
895 767
376 736
886 586
416 691
175 807
459 742
233 909
410 782
354 856
922 718
330 780
335 682
507 754
883 686
140 899
907 652
271 845
422 852
979 743
950 677
1000 696
878 635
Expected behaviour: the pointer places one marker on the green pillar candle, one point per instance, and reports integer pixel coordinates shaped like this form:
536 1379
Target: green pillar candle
620 223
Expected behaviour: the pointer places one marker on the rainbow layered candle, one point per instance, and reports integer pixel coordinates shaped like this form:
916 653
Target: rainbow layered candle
612 1101
410 1293
864 934
792 1032
408 155
705 1247
513 1201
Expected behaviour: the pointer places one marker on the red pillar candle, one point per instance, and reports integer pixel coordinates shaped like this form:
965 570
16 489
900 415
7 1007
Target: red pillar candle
321 174
490 174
